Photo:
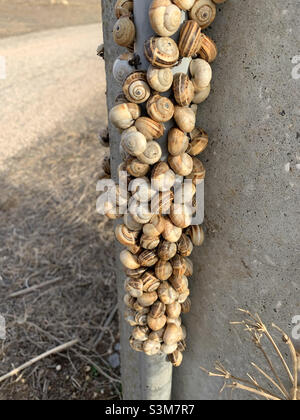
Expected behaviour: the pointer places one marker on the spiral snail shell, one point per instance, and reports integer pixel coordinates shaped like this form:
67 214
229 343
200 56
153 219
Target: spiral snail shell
173 310
182 164
185 118
163 270
167 250
136 88
156 324
129 260
141 189
162 177
150 128
124 115
178 142
161 202
136 345
183 89
199 142
201 72
190 39
198 173
203 12
149 242
179 268
151 347
123 7
201 95
185 246
148 258
196 233
150 282
125 236
133 142
161 52
171 233
181 215
189 267
172 334
155 227
122 68
134 287
160 109
160 80
175 358
186 306
152 154
140 333
165 17
184 4
208 50
166 293
136 168
124 32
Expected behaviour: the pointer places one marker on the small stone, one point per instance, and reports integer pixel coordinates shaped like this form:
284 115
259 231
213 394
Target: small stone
114 360
58 368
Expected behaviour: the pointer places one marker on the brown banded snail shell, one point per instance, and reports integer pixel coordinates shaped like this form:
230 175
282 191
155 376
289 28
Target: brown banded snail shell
136 168
155 227
124 32
185 246
201 72
139 211
152 154
182 164
161 202
136 345
134 287
160 109
151 347
162 177
185 118
196 233
180 284
198 173
186 306
148 258
178 265
141 189
199 142
184 4
178 142
172 334
157 335
140 333
173 310
175 358
135 273
149 242
189 267
171 233
203 12
136 88
141 319
165 17
125 236
161 52
150 282
183 89
123 7
124 115
129 316
190 39
163 270
157 310
160 80
167 250
208 50
156 324
150 128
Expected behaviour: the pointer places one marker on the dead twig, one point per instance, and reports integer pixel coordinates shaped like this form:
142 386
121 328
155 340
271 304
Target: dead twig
33 288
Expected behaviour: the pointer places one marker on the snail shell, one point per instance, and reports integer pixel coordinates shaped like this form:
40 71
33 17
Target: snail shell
161 52
150 282
140 333
203 12
173 310
166 293
156 324
141 319
125 236
136 168
148 258
186 306
198 172
168 348
171 233
147 299
133 142
183 89
179 267
161 202
136 345
123 7
160 80
136 88
201 72
157 310
152 154
178 142
181 215
202 95
155 227
190 39
208 50
157 335
149 242
134 287
172 334
175 358
129 316
199 142
124 32
182 164
165 17
163 270
129 260
167 250
185 118
136 273
160 109
150 128
151 347
129 300
184 193
162 177
134 249
183 296
181 346
189 267
141 190
185 246
218 1
196 233
124 115
122 68
184 4
180 284
139 211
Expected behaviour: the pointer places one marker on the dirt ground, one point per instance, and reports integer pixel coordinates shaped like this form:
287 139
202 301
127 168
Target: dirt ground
51 237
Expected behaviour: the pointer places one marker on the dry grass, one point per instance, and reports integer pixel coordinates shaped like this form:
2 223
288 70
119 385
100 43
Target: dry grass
50 233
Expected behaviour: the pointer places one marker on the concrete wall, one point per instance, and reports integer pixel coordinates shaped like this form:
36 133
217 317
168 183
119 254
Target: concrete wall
251 255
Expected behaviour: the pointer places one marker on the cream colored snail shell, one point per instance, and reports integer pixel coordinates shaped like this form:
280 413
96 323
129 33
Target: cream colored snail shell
172 334
122 68
149 242
139 211
140 333
168 348
136 88
180 284
161 52
173 310
163 270
182 164
202 95
141 319
152 154
167 250
135 287
190 39
201 72
161 202
183 89
157 310
189 267
141 189
150 128
166 293
165 17
125 236
147 299
136 168
208 50
124 32
129 260
184 193
151 347
129 316
133 142
185 246
185 118
160 109
136 345
184 4
171 233
198 173
160 80
203 12
135 273
178 142
124 115
162 177
123 7
155 227
181 215
199 142
150 282
155 324
175 358
157 335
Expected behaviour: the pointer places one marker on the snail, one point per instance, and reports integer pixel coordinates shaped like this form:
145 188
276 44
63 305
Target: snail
168 348
122 68
171 233
203 12
136 88
179 267
173 310
185 246
139 211
133 142
161 52
140 333
182 164
129 300
208 50
184 193
125 236
155 227
172 334
186 306
202 95
196 233
150 282
175 358
150 128
124 32
129 260
184 4
178 142
185 118
162 177
183 89
149 242
148 258
180 284
160 109
136 345
156 323
181 215
134 287
160 80
141 189
136 273
189 267
167 250
161 202
199 142
157 335
157 310
124 115
129 316
166 293
152 154
141 319
190 39
201 72
151 347
163 270
136 168
165 17
147 299
198 173
123 7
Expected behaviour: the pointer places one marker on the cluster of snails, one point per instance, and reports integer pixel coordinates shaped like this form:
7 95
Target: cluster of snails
159 238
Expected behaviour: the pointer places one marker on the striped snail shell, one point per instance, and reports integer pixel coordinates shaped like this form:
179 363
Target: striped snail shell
124 115
175 358
129 301
185 118
185 193
163 270
155 227
150 282
141 319
171 233
201 95
147 299
161 52
134 287
165 17
167 250
179 268
157 310
141 190
136 168
208 50
203 12
148 258
182 164
136 345
136 273
185 246
160 109
136 88
196 233
124 32
152 154
199 142
181 215
162 177
123 7
133 142
125 236
129 260
186 306
139 211
198 173
184 4
172 334
189 267
166 293
178 142
160 80
122 68
201 72
180 284
140 333
131 224
149 242
183 89
190 39
173 310
156 324
129 316
157 335
150 128
161 202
